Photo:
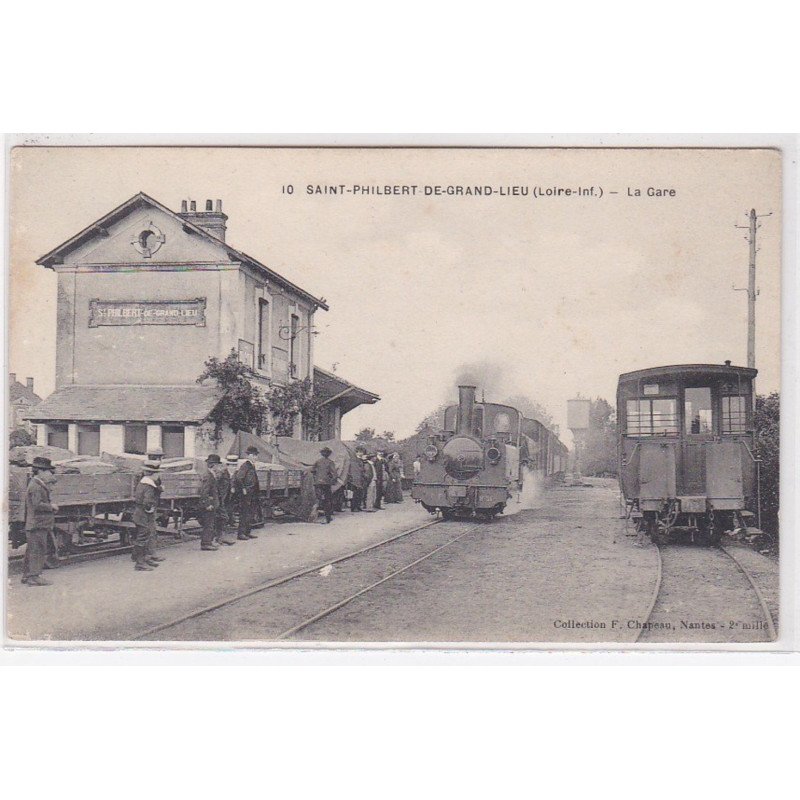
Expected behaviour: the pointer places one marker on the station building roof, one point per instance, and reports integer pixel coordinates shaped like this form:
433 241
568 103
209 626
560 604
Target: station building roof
123 403
98 228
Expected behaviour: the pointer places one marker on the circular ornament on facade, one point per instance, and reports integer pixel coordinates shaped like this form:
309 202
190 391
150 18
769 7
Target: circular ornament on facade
148 240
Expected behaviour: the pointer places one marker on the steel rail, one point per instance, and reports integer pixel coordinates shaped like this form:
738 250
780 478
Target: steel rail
336 606
655 593
773 632
279 581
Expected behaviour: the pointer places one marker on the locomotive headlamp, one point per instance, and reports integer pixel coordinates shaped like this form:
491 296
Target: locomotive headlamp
493 455
431 451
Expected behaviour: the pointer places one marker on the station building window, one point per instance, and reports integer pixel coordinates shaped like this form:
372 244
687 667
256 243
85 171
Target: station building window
697 410
136 439
58 436
173 441
88 440
652 417
734 415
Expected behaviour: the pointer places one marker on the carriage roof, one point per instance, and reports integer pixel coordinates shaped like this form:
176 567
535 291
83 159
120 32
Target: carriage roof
688 370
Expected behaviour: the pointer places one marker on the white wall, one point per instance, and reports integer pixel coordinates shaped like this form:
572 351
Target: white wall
112 439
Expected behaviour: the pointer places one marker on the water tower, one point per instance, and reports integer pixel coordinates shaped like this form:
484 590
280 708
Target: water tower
578 423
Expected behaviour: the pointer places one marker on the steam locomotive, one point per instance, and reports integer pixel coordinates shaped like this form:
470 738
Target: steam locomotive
483 455
686 447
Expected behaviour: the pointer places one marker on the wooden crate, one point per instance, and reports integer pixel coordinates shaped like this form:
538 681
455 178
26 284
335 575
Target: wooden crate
295 478
180 484
90 489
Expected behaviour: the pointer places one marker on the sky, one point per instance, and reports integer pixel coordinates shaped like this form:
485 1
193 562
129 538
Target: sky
542 295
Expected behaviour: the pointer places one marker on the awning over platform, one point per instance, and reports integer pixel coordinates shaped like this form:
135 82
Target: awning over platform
335 390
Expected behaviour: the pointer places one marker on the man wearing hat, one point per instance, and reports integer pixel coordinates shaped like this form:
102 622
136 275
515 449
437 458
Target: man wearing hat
246 488
325 476
209 505
39 520
145 501
155 455
355 481
230 466
223 496
380 471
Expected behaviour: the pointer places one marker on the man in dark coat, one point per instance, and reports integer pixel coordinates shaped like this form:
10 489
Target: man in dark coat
246 488
355 482
39 521
144 516
209 505
325 476
368 473
223 495
380 472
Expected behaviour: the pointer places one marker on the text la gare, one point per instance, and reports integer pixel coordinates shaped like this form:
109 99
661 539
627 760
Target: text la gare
652 191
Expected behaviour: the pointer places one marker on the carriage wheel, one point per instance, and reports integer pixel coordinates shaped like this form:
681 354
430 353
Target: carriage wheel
651 527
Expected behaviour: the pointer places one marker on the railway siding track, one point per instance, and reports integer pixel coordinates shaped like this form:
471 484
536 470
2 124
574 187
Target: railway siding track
282 607
707 595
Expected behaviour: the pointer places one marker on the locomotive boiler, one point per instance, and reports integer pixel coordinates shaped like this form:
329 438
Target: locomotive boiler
686 449
482 456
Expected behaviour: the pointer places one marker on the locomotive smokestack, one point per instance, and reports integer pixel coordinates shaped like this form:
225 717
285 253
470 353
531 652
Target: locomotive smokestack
466 404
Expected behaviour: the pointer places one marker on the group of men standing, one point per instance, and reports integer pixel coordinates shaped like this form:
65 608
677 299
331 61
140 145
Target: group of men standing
366 481
224 488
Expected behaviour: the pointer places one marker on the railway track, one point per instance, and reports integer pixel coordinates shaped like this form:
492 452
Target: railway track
281 608
95 551
717 611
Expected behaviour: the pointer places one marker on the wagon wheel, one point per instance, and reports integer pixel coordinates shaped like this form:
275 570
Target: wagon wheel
653 528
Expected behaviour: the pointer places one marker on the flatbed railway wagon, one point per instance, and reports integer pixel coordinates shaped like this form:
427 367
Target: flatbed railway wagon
481 457
686 449
95 510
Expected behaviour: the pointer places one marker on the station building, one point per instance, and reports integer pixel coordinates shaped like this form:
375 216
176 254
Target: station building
145 296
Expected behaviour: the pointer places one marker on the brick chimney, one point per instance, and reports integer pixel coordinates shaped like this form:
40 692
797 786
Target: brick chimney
212 220
12 377
29 383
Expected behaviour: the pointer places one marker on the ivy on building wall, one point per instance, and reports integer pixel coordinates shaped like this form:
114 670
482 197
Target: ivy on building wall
243 406
292 401
246 407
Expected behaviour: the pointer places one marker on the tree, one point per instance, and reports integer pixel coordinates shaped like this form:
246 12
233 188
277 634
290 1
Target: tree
365 434
388 436
599 445
19 437
433 420
767 420
242 407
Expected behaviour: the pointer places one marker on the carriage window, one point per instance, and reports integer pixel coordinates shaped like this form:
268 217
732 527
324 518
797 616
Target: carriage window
647 417
477 422
734 415
697 410
502 423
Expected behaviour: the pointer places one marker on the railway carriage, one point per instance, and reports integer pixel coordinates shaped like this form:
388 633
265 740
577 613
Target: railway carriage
686 449
482 456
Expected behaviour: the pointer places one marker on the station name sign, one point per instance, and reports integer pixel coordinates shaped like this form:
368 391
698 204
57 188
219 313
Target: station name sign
147 312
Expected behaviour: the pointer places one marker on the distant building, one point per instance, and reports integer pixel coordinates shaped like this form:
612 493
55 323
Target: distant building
21 399
145 296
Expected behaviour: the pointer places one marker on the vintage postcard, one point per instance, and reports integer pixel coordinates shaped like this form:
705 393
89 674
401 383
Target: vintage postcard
372 396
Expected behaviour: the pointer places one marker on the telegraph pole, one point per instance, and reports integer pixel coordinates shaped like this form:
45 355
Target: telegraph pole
751 294
751 290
